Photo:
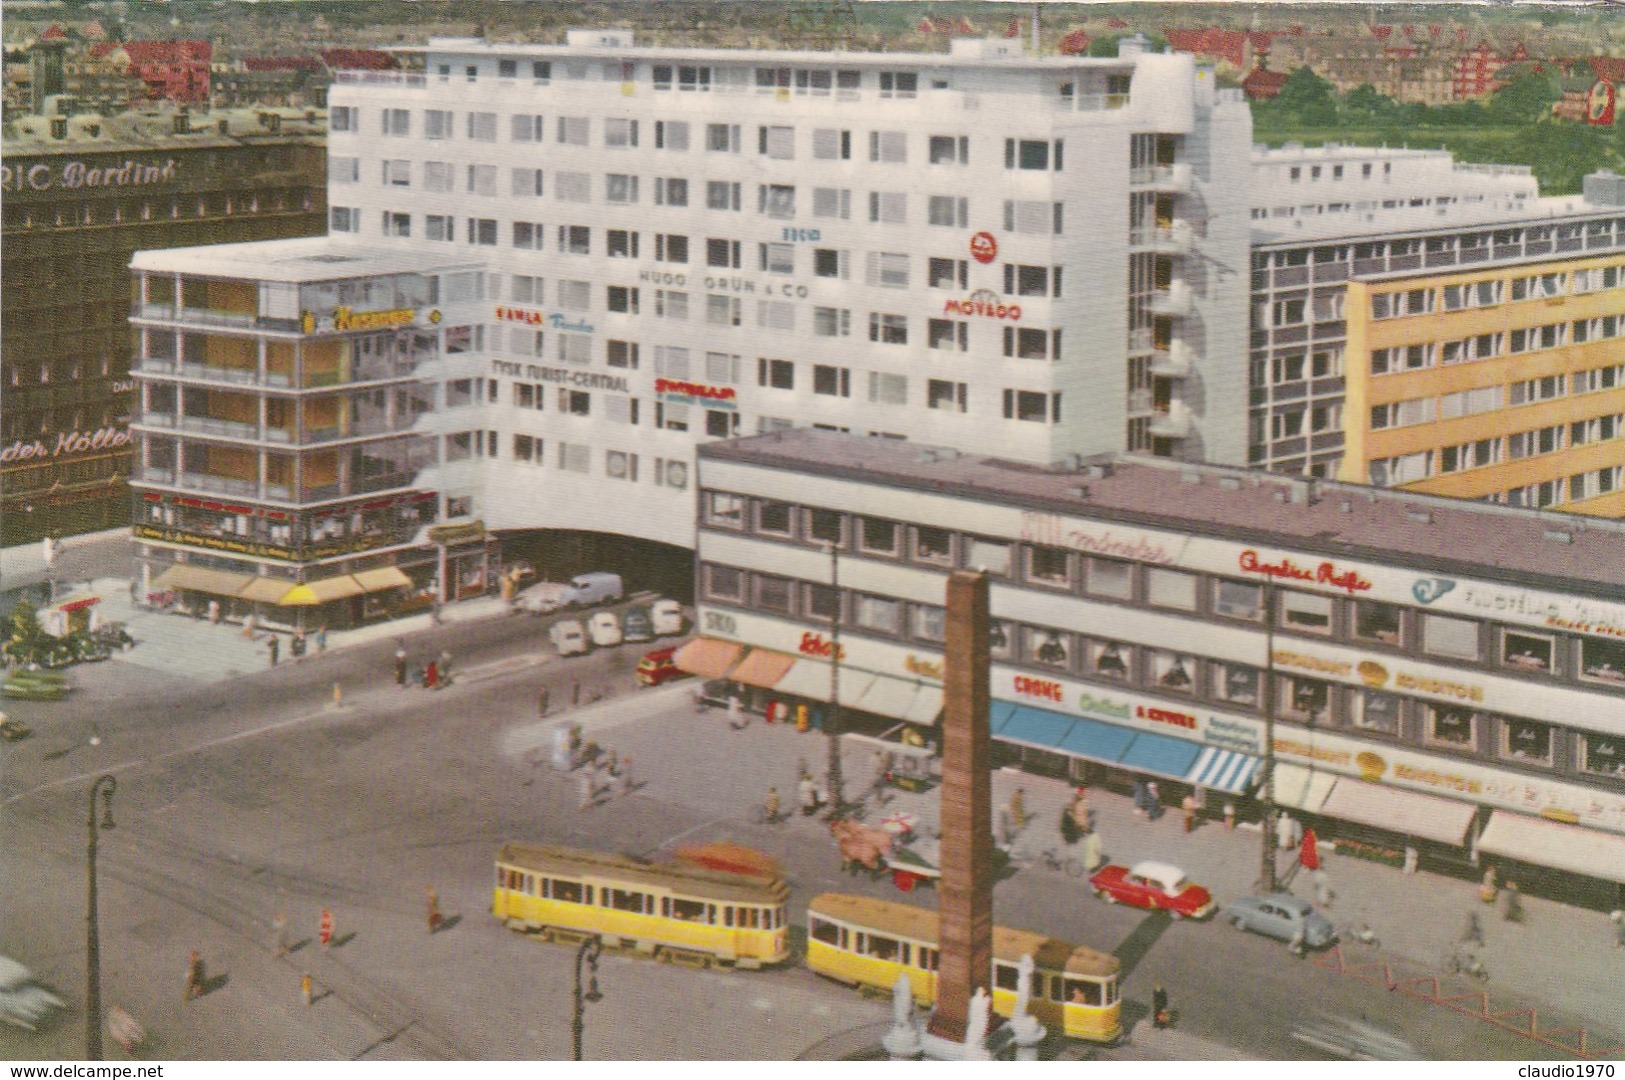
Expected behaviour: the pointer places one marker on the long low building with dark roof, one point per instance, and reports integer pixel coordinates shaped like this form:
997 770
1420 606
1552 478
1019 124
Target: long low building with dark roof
1438 675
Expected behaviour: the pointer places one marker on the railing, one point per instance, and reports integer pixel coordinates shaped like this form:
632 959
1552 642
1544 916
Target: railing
1175 300
220 485
155 419
152 475
215 317
1176 239
1099 102
1174 361
416 79
1174 422
236 376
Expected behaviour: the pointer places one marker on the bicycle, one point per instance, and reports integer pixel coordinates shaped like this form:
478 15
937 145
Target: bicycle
1360 934
1465 963
1064 863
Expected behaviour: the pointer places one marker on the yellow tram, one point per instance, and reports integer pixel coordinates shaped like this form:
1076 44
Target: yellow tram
859 940
676 911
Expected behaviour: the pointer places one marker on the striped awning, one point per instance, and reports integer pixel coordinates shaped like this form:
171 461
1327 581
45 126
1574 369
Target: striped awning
202 579
707 657
763 668
1223 770
380 578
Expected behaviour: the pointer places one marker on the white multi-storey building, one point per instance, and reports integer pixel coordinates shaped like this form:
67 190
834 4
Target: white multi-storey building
1037 257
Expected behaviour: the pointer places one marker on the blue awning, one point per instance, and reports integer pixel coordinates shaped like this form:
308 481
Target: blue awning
1098 741
1036 727
1161 755
1000 713
1224 770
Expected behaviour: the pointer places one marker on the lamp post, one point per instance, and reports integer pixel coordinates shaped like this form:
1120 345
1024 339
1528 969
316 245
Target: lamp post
1267 700
93 954
590 950
832 725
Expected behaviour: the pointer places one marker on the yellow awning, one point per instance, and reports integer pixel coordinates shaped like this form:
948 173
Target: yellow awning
706 657
380 578
202 579
266 590
320 592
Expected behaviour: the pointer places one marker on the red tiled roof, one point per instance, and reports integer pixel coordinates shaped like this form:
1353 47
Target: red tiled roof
1075 43
1262 84
368 59
281 63
54 33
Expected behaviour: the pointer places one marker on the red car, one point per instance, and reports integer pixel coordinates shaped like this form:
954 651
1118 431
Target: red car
1154 885
658 667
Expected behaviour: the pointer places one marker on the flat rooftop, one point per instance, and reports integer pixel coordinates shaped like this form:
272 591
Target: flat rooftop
1564 552
1353 226
298 260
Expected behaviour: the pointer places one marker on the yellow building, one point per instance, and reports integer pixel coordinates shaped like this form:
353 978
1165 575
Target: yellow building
1504 384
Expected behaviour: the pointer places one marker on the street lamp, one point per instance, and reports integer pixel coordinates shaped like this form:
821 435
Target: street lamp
590 951
93 954
1267 700
832 724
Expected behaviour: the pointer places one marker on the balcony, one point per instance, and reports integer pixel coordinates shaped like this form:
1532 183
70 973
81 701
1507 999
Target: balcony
1174 361
1172 421
1174 301
1175 178
1174 239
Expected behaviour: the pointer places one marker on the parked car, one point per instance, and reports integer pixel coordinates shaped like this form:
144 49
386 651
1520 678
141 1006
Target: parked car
667 616
23 1001
595 588
1154 885
659 667
636 625
1283 917
86 648
569 637
543 598
35 686
604 629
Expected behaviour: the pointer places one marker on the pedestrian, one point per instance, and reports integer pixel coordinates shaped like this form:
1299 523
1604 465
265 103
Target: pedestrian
1513 911
585 787
612 761
770 805
274 647
279 936
735 715
434 910
626 775
1137 796
1323 889
1188 805
250 621
699 697
1285 832
541 700
194 976
1093 859
445 666
1006 828
1296 944
1018 808
325 933
297 645
807 793
400 662
1617 917
125 1029
214 612
1411 858
305 988
321 638
1473 932
431 675
1229 816
1159 1006
1153 800
434 611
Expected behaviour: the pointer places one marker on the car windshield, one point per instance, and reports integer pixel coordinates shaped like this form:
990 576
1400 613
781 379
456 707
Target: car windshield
1175 887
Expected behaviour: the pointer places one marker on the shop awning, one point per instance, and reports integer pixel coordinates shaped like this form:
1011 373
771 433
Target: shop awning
1223 770
1574 848
380 578
1160 755
707 657
1036 727
1406 812
76 602
808 679
265 590
202 579
762 667
886 696
1096 741
926 707
322 591
1298 788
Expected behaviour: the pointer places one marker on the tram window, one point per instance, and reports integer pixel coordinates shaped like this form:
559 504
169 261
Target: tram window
530 884
883 948
508 879
568 891
906 956
827 932
846 939
626 900
587 891
1006 977
1083 992
927 957
1055 988
750 917
687 910
727 916
502 877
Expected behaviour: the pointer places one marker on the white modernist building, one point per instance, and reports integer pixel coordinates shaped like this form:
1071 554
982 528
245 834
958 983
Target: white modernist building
1034 257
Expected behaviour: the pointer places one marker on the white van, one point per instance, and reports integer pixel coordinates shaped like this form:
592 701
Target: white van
667 616
595 588
543 598
568 637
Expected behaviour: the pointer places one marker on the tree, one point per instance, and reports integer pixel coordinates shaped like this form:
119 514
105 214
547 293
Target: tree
25 623
1107 46
1527 99
1308 98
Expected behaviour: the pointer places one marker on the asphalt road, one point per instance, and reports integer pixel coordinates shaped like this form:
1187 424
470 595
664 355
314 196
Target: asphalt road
247 798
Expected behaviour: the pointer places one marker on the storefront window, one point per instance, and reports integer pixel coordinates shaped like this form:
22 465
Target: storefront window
1308 700
1374 621
1307 612
1109 660
1238 599
724 509
1444 636
1376 712
1604 754
824 526
1172 671
932 545
1110 577
1233 682
1048 566
1603 661
988 555
1049 647
773 517
1527 652
1526 741
879 537
1450 726
879 614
